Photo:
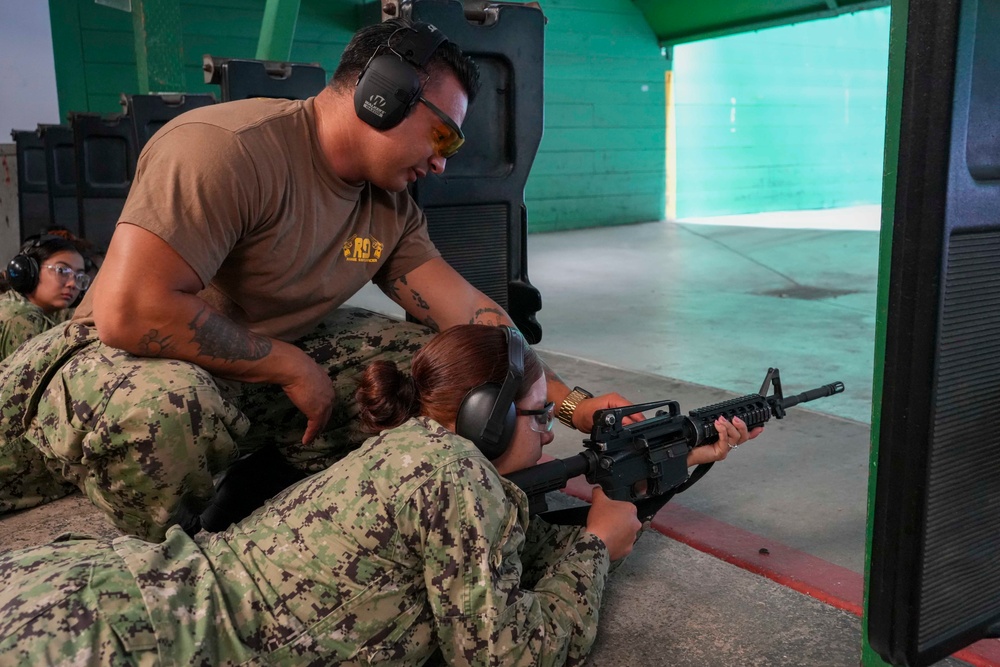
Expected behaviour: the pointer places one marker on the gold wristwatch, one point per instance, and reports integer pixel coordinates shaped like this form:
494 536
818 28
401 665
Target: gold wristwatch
568 406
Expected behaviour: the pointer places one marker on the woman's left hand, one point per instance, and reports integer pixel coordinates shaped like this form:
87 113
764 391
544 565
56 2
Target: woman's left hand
732 434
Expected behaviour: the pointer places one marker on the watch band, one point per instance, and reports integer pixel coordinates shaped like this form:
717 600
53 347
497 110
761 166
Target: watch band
569 404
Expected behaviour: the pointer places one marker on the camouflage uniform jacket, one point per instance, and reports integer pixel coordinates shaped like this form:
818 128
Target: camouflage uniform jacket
411 544
19 320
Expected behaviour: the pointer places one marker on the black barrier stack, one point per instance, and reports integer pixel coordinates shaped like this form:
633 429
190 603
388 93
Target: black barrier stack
241 79
105 156
148 113
32 183
934 575
475 210
60 169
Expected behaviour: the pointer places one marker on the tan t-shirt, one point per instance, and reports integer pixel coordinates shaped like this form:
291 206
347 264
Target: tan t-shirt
241 191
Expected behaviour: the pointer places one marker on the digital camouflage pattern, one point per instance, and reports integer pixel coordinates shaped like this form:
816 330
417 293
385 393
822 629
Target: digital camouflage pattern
19 320
410 545
72 602
137 434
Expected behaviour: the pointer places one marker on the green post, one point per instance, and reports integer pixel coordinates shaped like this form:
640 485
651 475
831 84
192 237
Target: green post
900 10
277 30
67 50
159 52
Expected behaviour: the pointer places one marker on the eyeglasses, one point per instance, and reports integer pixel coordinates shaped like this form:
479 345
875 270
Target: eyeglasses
65 273
448 138
543 420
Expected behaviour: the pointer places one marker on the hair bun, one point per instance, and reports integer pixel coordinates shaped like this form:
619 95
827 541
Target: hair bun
386 397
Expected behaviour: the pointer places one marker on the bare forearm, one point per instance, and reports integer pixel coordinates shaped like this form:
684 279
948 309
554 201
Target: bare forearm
184 327
441 311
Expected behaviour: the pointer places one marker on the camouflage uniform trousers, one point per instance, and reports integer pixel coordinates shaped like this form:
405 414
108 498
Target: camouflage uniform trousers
75 601
72 602
138 434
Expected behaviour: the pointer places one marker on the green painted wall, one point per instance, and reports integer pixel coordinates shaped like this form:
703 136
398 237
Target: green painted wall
95 49
601 160
602 157
783 119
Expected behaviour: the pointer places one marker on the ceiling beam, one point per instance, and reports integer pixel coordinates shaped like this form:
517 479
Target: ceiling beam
277 30
675 22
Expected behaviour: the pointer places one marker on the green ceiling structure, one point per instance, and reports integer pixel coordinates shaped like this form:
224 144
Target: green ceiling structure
677 21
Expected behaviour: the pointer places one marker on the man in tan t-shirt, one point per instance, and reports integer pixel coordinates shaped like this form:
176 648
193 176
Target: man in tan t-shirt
213 330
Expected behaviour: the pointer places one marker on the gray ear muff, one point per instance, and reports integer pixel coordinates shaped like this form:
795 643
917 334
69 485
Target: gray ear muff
487 415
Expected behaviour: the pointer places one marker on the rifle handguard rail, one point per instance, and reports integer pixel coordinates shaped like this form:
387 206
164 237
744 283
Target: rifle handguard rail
648 459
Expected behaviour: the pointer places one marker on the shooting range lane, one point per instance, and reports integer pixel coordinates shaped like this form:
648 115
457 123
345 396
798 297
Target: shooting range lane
716 305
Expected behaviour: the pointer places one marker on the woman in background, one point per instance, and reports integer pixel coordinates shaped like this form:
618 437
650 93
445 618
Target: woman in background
40 283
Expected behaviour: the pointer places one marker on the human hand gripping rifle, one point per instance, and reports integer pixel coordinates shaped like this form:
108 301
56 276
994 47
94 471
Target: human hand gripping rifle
646 461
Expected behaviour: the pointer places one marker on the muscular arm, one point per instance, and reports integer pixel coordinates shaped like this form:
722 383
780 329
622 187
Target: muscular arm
145 303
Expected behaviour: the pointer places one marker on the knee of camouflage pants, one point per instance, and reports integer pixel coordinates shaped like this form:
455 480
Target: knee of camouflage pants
344 344
137 435
25 480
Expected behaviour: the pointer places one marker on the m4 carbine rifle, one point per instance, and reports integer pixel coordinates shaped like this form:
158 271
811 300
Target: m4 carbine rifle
646 461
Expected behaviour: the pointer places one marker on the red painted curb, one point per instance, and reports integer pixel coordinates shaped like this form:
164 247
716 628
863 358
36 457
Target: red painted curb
835 585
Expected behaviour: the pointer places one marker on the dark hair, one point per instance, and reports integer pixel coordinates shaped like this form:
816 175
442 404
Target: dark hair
40 248
443 372
92 255
367 41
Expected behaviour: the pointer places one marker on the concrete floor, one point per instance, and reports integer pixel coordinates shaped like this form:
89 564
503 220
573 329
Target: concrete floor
717 305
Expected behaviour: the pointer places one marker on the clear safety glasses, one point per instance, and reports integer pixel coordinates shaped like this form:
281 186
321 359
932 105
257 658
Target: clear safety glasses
543 420
64 273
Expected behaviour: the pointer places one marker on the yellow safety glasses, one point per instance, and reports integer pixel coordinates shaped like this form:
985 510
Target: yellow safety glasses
448 137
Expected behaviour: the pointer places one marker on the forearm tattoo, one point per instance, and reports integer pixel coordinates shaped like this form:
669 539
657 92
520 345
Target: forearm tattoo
220 338
419 300
153 344
392 289
429 321
491 316
394 292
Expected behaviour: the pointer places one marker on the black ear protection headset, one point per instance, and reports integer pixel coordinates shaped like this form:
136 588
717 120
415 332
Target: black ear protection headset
390 84
23 269
487 415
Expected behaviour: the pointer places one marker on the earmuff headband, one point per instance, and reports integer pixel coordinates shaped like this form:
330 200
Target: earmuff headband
515 374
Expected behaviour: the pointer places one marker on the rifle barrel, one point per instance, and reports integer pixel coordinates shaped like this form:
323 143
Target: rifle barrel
813 394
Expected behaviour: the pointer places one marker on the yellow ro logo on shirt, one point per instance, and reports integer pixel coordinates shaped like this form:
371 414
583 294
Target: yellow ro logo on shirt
359 249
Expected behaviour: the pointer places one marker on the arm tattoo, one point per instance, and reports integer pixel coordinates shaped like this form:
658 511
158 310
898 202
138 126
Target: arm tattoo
153 345
419 300
429 321
219 338
492 316
392 289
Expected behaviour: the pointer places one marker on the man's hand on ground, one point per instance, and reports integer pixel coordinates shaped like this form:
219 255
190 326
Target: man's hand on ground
311 391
